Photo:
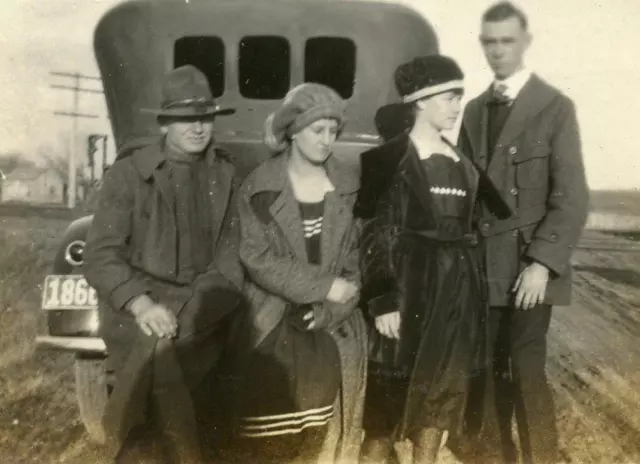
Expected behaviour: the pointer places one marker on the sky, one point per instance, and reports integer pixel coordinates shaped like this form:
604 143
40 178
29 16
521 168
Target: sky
588 49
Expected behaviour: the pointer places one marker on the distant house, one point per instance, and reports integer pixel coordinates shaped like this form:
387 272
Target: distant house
33 185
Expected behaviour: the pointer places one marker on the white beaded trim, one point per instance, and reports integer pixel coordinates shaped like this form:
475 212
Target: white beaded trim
448 191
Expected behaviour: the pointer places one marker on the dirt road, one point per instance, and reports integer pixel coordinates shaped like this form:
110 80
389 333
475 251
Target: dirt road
594 359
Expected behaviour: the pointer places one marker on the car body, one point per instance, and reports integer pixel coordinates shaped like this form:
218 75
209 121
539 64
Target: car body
252 53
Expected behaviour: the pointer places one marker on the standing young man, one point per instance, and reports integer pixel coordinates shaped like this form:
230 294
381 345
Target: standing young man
162 255
524 133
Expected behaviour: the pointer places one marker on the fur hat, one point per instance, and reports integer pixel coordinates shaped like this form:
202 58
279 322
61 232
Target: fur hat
426 76
185 93
303 105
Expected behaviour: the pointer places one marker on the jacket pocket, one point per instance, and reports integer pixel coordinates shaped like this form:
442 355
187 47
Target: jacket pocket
532 168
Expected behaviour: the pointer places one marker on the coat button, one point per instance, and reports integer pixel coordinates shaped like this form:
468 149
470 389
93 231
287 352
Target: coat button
553 237
513 150
513 191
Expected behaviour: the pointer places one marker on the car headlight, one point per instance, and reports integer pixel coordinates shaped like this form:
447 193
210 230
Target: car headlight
74 253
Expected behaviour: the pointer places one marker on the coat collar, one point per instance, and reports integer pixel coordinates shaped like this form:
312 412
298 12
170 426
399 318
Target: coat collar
514 83
153 156
532 99
273 175
410 169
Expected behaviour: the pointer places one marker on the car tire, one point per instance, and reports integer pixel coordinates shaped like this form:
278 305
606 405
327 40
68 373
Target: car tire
92 393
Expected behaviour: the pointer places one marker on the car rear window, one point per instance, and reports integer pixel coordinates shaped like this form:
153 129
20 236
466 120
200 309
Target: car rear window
264 67
205 53
331 61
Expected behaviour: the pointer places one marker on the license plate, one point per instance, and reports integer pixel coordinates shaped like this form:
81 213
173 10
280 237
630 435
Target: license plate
68 292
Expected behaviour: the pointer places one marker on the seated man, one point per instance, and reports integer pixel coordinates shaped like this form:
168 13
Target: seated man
162 255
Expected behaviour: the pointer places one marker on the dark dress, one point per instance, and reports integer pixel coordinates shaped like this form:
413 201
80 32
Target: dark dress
422 380
292 379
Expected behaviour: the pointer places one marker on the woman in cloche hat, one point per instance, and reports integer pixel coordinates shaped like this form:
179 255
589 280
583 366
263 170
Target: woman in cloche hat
304 371
423 280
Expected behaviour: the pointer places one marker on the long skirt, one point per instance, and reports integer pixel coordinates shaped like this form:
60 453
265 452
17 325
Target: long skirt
288 388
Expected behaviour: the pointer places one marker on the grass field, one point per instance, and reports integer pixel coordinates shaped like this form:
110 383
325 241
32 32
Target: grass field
38 419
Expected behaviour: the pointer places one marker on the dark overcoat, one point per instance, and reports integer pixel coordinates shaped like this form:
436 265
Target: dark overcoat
392 181
274 254
405 250
537 166
131 250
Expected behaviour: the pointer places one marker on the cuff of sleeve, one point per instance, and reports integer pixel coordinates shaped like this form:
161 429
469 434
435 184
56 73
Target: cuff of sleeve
321 315
126 292
547 255
321 289
383 304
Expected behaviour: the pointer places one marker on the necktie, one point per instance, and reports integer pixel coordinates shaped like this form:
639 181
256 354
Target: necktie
499 95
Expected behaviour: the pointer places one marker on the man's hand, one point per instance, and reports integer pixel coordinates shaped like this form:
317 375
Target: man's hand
389 325
342 291
154 318
531 286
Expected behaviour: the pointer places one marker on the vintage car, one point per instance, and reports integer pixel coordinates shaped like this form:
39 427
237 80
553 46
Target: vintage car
252 53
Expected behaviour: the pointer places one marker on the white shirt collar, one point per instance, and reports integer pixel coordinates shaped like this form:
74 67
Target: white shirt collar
515 82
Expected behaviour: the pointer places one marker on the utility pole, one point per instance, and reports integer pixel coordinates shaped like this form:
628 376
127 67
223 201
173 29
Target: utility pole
92 149
74 114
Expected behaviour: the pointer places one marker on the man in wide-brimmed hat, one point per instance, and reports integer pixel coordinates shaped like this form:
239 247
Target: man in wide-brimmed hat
162 256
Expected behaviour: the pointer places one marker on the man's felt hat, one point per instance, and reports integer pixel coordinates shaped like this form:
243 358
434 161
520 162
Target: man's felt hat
186 93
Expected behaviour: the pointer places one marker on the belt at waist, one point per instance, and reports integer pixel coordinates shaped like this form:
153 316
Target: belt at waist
437 238
489 226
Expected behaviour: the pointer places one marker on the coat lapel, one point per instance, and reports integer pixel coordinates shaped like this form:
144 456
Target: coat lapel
477 129
413 174
165 189
337 214
337 210
531 100
149 162
220 183
471 173
333 226
161 231
286 213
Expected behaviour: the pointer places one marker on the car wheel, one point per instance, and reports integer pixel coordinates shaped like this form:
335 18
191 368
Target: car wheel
92 393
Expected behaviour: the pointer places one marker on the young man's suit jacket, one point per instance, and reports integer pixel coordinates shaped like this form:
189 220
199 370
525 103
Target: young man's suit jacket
537 165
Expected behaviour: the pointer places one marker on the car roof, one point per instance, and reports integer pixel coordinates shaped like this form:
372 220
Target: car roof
134 45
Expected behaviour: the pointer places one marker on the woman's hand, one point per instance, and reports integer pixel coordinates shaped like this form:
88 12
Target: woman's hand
310 320
342 291
389 325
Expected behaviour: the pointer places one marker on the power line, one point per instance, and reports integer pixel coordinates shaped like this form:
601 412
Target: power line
81 76
73 88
